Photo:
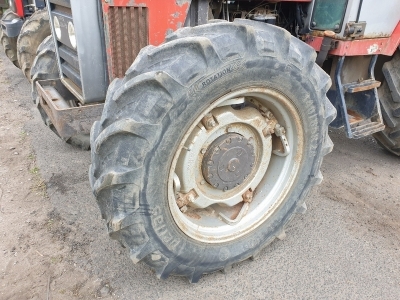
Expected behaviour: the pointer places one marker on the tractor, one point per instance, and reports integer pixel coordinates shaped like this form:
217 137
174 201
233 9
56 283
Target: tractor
24 26
207 120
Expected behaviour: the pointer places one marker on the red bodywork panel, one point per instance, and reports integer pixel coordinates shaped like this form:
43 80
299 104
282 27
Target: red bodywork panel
162 17
383 46
20 8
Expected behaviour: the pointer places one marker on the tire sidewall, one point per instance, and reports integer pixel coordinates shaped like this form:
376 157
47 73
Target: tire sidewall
270 72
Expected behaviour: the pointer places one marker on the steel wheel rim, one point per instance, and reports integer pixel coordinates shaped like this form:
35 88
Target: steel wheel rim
273 187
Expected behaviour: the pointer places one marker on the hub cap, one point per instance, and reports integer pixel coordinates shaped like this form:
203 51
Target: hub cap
228 161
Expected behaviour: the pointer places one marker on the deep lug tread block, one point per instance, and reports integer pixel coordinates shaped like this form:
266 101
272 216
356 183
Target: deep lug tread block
203 55
389 95
328 146
9 44
144 131
44 66
227 269
317 179
196 276
141 252
34 31
392 75
113 178
330 111
281 235
302 209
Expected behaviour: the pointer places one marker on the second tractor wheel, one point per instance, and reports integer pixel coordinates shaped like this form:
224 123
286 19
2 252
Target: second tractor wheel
209 146
33 32
389 95
45 67
9 44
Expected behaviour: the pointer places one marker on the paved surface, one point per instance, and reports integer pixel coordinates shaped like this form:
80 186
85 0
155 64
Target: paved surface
347 245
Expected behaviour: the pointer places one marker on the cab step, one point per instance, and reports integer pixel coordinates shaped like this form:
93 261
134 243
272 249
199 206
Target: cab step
365 128
360 86
357 102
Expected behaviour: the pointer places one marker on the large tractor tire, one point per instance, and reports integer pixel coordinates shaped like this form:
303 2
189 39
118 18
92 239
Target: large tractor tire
45 67
33 32
389 95
209 146
9 44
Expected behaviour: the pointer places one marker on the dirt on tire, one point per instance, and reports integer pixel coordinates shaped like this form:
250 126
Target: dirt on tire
33 32
9 44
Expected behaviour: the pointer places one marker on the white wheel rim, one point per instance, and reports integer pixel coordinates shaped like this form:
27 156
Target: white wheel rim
271 179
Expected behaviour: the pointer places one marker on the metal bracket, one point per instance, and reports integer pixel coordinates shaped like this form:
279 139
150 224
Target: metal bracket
280 132
198 13
240 216
354 29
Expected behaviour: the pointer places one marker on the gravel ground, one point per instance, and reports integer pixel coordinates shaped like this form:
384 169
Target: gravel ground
347 245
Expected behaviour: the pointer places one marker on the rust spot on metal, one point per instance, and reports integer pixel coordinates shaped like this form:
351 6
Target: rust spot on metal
354 117
193 215
128 33
209 121
361 85
68 121
185 199
248 196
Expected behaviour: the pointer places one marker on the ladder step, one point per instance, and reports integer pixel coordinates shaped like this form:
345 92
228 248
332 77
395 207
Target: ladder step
366 129
360 86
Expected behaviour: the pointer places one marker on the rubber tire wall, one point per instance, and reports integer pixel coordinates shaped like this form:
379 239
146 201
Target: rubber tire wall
9 44
33 32
147 113
389 138
45 67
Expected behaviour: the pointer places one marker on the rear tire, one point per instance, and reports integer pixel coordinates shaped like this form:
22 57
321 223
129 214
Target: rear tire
33 32
9 44
389 138
45 67
149 120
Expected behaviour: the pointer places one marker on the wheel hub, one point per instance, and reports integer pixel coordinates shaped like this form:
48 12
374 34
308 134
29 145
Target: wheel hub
228 161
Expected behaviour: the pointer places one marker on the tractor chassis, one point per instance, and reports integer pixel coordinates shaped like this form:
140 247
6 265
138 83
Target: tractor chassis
67 121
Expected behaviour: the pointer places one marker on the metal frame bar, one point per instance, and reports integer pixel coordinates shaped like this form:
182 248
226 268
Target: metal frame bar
339 88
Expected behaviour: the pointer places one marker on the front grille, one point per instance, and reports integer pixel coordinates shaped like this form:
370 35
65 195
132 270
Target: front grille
68 55
83 70
128 33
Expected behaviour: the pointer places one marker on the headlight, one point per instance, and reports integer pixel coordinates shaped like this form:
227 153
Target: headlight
71 34
13 7
57 27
